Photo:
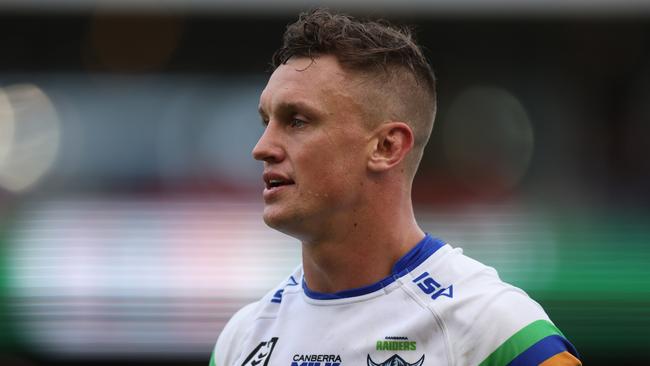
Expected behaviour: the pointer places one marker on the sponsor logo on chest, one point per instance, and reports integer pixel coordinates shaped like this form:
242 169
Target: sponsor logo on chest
395 360
316 360
396 344
261 354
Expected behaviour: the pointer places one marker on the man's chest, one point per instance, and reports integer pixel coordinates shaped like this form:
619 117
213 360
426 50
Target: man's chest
390 351
365 337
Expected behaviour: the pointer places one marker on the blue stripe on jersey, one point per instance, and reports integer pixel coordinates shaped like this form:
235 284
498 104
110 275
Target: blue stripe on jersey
418 254
543 350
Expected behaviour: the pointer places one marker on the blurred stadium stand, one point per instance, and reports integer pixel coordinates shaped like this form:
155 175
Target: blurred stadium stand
130 225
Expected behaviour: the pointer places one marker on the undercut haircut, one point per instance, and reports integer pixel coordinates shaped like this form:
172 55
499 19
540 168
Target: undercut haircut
371 47
363 45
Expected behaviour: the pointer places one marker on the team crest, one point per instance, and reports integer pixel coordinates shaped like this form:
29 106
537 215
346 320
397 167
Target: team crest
395 360
261 354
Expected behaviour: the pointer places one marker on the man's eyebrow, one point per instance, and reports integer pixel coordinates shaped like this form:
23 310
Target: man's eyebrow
293 106
300 106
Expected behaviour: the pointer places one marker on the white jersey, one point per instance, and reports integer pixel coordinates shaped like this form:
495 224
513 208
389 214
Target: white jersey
438 307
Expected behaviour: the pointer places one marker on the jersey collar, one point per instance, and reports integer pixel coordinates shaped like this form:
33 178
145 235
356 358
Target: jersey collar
413 258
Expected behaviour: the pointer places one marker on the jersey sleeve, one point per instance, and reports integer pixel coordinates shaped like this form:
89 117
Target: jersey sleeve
492 323
561 359
538 343
227 348
509 328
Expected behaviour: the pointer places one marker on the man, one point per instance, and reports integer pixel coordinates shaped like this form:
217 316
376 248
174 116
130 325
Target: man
348 111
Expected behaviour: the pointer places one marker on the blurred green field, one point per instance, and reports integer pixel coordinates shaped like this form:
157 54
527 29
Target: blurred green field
599 290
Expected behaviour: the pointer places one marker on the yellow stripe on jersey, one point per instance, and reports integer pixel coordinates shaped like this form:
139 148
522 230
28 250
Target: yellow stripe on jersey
562 359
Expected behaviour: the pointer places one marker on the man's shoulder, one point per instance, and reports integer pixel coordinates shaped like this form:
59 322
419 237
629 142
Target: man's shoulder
265 306
226 349
230 340
451 278
456 283
485 318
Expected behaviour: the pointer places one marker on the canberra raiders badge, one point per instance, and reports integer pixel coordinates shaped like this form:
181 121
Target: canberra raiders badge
261 354
395 360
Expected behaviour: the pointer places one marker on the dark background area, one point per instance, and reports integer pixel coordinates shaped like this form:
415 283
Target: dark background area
584 80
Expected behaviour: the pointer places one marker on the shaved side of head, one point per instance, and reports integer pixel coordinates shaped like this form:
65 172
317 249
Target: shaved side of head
397 97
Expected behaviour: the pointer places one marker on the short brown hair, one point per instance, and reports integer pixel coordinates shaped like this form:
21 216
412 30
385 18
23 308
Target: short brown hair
370 46
357 44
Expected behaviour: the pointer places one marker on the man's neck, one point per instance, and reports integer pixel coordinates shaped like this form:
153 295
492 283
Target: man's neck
359 257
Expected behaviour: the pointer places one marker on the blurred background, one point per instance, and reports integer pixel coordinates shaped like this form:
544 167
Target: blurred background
130 226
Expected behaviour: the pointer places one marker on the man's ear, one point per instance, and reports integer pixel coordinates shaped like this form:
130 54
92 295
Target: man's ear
392 141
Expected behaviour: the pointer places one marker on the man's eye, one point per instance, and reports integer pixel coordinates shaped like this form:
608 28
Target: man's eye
297 123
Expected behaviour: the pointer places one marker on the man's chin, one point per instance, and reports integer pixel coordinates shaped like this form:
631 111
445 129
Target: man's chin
275 218
283 221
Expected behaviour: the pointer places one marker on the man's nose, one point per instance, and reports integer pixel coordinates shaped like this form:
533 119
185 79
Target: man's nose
269 147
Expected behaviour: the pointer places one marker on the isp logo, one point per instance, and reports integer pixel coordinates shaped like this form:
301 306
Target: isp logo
430 287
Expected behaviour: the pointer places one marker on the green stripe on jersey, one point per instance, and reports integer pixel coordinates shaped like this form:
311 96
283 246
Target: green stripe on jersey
212 362
520 341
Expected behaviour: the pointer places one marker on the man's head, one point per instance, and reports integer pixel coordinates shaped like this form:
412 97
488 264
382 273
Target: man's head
347 111
395 79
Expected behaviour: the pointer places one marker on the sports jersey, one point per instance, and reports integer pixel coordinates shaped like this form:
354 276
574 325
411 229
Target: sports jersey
438 307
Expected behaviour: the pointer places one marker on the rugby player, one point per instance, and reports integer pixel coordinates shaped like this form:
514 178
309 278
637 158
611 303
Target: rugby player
348 111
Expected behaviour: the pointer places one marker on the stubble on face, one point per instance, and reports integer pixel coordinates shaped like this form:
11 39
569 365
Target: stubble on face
326 157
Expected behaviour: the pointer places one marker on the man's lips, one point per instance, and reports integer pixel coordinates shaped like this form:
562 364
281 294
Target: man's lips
274 180
274 184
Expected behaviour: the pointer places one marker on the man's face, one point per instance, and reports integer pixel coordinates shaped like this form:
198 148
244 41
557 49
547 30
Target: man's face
314 148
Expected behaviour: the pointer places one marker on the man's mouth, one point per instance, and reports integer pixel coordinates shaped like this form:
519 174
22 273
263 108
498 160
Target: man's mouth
275 183
276 180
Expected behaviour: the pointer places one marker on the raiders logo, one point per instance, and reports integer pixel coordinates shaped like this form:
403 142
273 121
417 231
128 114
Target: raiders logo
261 354
395 360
